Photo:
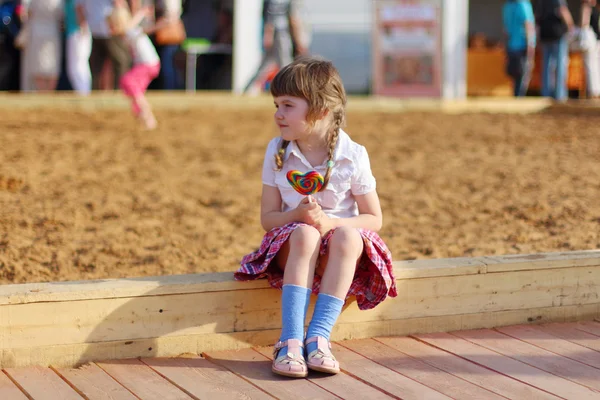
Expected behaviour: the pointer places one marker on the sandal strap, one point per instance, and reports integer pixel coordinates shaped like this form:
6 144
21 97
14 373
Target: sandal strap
323 348
293 345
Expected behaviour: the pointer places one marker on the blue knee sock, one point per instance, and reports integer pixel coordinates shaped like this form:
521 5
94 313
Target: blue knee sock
327 310
294 305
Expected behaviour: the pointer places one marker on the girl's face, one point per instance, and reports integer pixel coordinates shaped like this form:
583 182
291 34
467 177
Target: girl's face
290 117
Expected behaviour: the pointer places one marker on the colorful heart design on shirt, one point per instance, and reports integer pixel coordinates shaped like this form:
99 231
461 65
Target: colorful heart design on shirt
305 184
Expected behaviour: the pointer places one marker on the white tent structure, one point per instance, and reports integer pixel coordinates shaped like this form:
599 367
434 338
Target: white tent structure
342 31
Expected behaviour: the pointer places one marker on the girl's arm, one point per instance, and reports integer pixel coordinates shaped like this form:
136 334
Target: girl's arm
369 217
567 17
271 215
138 17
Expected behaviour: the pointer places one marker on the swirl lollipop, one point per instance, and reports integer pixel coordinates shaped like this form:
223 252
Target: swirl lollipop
305 184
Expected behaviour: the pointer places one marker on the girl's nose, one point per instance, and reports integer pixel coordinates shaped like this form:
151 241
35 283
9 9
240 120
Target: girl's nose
278 114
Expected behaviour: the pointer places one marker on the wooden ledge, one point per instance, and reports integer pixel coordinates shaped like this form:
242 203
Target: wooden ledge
69 323
224 281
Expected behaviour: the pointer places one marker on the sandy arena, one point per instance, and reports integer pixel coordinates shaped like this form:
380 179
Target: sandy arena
87 195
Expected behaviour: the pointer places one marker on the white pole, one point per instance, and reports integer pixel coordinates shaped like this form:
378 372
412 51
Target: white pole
247 41
455 27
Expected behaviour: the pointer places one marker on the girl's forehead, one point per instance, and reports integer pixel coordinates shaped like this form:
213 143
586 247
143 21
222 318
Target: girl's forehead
293 99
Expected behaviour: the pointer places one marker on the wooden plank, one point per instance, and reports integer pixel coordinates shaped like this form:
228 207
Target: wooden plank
256 368
42 383
341 384
419 371
117 319
417 269
534 356
571 333
445 296
461 368
102 320
542 261
546 341
141 380
382 377
200 283
223 281
70 355
8 390
203 379
92 382
509 367
123 288
589 327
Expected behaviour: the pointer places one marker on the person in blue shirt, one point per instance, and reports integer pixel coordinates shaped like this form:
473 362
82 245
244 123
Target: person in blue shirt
519 27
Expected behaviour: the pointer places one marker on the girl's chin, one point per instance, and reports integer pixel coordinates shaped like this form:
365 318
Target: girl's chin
288 136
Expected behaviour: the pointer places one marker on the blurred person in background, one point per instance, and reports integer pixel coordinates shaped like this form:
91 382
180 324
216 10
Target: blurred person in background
79 47
10 55
589 46
595 25
284 37
41 42
555 22
170 77
519 26
93 13
214 70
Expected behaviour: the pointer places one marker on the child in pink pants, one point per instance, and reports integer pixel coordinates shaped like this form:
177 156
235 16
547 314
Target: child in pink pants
146 63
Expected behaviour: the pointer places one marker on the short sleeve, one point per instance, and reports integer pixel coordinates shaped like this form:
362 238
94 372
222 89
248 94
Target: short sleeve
269 166
363 180
296 7
527 11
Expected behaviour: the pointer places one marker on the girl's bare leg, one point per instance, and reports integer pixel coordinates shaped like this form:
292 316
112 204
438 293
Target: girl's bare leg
146 114
337 268
298 256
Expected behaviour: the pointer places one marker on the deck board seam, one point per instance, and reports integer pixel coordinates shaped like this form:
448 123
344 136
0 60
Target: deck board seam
485 366
533 366
385 366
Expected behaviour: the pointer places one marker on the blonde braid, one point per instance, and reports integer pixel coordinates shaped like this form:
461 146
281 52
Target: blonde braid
338 120
280 154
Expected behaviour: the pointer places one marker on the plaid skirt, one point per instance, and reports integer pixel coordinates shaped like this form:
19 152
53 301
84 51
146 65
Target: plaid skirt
373 280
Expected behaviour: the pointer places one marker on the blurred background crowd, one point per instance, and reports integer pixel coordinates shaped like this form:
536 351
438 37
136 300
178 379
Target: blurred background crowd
518 47
66 44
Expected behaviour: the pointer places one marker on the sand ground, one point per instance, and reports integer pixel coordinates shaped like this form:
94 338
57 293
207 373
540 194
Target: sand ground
85 194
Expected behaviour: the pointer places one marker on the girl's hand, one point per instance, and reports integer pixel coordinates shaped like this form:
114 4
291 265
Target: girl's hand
309 211
325 224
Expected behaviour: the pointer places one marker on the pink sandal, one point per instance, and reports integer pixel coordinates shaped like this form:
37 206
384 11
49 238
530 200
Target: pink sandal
292 363
321 359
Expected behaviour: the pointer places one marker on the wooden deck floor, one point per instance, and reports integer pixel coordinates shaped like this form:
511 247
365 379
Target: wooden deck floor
550 361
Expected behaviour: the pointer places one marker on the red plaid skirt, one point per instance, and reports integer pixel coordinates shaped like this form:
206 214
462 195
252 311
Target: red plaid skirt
373 281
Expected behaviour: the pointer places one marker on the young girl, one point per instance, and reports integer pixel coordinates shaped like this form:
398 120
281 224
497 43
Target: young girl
325 242
146 63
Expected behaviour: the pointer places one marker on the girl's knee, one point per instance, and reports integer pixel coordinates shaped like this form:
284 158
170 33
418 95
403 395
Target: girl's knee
346 240
305 236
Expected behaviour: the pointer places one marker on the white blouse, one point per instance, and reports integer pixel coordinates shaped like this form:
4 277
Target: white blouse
142 48
351 176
